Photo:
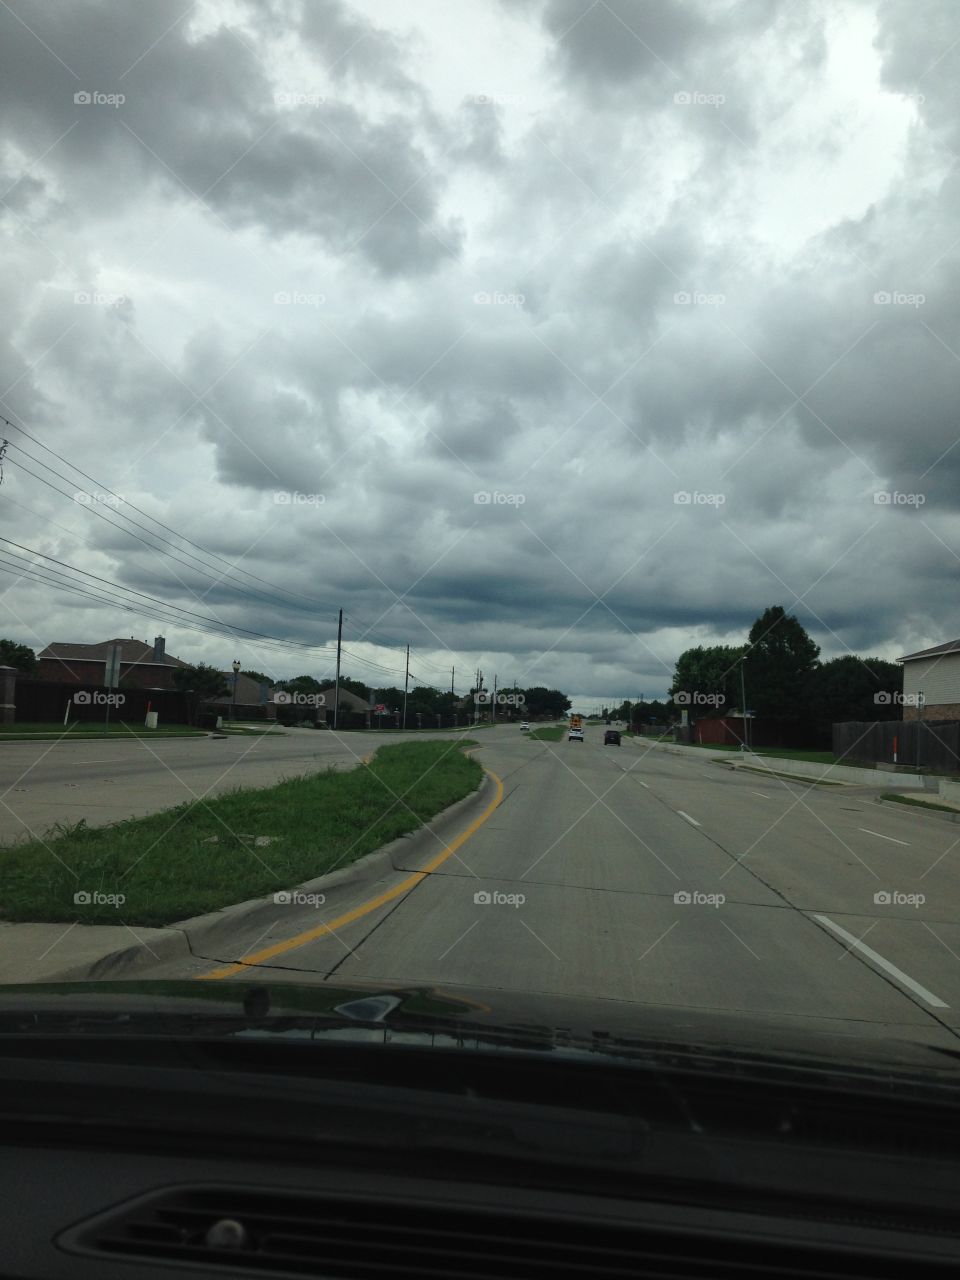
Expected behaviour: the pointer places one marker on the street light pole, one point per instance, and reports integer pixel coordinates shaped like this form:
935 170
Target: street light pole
236 677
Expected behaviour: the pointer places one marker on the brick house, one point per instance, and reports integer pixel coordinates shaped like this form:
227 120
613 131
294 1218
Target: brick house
934 673
142 665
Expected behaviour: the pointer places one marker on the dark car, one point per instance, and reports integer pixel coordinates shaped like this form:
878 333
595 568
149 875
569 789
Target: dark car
611 738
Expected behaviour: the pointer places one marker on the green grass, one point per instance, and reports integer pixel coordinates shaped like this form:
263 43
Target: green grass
789 777
919 804
549 733
76 729
168 868
785 753
261 729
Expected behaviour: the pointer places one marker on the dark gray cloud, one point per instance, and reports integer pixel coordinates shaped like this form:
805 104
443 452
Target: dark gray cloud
667 317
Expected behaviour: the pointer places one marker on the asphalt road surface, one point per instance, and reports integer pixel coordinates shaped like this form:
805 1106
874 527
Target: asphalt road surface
640 875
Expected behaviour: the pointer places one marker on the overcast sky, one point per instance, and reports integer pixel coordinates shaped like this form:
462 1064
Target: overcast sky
674 285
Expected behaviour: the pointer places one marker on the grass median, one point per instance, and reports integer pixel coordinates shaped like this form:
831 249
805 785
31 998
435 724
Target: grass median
549 733
242 844
89 729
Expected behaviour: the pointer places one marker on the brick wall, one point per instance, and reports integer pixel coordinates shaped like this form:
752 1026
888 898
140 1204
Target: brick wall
133 675
934 711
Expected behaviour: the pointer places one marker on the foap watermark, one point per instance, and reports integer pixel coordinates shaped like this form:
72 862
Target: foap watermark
495 498
96 98
694 498
894 698
97 698
298 898
894 898
296 699
296 298
694 898
286 498
695 698
94 298
894 498
897 298
685 298
496 299
696 98
94 499
96 898
495 898
299 98
485 699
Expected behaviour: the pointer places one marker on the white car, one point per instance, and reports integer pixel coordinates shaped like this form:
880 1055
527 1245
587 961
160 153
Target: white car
524 728
575 735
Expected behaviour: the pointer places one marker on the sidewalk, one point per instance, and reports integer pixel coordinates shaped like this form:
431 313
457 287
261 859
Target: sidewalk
800 769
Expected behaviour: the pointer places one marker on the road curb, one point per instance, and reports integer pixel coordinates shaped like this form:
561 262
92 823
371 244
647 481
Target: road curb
919 809
189 939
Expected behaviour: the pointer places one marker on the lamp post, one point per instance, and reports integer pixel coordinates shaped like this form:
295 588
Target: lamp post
236 677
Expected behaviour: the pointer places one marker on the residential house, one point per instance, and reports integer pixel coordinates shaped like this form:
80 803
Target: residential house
934 674
142 665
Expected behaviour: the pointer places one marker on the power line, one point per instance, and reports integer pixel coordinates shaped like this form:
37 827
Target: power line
232 627
183 538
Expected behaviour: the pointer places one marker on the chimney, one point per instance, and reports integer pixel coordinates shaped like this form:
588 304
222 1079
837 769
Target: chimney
159 647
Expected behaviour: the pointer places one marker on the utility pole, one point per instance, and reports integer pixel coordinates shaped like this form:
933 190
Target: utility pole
406 681
493 704
452 670
336 687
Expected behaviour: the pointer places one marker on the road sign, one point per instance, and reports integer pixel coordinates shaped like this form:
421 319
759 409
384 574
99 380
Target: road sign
112 673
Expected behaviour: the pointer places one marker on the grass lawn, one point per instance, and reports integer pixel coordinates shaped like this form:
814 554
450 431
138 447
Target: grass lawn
76 729
786 753
789 777
549 733
262 728
919 804
199 857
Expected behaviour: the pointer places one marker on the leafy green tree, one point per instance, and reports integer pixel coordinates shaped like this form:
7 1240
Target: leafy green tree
539 701
200 683
780 658
258 676
390 696
355 686
17 655
301 684
852 688
706 680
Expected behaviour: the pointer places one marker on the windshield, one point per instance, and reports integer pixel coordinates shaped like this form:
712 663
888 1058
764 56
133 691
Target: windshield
396 395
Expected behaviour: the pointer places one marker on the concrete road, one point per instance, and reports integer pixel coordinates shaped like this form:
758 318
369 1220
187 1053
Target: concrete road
633 874
43 783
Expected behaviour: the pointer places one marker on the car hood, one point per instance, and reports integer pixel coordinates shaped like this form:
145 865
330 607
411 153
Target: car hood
477 1020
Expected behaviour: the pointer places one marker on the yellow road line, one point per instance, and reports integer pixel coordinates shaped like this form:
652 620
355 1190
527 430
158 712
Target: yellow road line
311 935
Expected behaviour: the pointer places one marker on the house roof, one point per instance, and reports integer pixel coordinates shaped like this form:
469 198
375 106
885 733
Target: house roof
131 651
348 700
951 646
248 689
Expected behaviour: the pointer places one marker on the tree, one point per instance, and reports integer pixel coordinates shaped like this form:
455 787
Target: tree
17 655
355 686
258 676
301 684
200 683
706 680
852 688
780 658
540 702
